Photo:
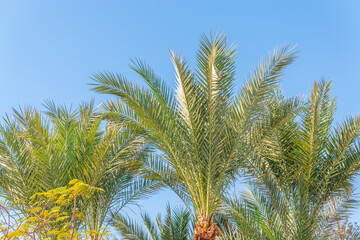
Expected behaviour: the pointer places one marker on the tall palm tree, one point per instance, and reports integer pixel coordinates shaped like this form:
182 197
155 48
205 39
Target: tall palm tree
304 172
174 226
39 153
202 132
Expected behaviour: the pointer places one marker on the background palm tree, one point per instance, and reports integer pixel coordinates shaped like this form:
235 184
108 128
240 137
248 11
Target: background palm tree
344 229
303 171
39 153
202 132
176 225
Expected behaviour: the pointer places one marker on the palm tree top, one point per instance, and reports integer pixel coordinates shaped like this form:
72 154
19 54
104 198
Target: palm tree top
202 129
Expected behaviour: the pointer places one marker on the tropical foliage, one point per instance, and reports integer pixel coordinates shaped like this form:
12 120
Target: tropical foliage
47 216
304 174
40 153
174 226
195 140
344 229
202 132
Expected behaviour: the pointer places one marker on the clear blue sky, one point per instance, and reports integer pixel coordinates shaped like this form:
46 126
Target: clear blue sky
48 49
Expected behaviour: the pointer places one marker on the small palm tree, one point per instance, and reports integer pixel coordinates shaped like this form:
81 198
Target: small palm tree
303 171
176 225
39 153
203 131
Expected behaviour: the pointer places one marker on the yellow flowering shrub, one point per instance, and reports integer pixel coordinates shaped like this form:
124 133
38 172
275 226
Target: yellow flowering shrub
52 215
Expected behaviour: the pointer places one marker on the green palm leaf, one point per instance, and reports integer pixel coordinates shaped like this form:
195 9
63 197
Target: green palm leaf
202 133
174 226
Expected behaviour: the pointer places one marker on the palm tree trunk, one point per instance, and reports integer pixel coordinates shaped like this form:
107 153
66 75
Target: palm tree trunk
206 229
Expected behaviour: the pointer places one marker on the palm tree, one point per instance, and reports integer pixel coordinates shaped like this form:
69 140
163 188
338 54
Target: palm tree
304 172
345 230
39 153
202 132
174 226
274 214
